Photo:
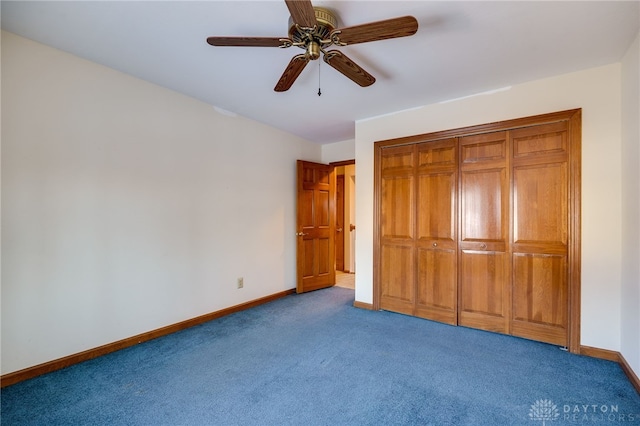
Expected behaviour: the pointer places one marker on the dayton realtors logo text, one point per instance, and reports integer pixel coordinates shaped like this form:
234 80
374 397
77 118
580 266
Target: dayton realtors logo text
596 412
545 410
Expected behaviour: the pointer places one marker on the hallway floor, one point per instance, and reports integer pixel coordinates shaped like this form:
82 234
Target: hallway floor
345 280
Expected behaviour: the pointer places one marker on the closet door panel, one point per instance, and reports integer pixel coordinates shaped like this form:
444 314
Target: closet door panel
540 205
484 297
540 297
436 286
484 203
436 298
542 141
397 279
483 149
436 206
397 229
397 207
484 263
541 233
436 245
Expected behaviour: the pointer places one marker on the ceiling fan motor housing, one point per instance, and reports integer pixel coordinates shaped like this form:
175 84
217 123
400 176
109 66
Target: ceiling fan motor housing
313 39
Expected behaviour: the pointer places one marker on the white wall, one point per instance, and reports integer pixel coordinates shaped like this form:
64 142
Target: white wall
630 344
127 207
597 92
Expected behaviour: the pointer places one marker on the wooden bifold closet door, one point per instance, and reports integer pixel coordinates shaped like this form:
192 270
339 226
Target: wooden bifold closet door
484 232
479 227
418 230
540 240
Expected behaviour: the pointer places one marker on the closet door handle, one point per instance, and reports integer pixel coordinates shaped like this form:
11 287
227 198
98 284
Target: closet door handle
483 246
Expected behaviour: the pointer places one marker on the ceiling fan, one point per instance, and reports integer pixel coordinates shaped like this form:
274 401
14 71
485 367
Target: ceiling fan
314 30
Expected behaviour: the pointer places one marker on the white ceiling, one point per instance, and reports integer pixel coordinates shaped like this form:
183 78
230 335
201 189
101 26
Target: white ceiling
460 49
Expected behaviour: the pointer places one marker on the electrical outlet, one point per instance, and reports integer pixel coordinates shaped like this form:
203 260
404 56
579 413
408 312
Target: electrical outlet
240 282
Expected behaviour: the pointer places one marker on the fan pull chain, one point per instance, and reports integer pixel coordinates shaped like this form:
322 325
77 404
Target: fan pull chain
319 92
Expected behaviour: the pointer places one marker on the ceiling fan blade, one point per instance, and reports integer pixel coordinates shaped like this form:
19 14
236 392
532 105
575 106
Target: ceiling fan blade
302 12
291 73
248 41
380 30
346 66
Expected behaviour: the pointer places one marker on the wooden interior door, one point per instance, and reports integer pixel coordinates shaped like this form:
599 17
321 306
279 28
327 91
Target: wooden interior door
340 231
484 274
315 226
436 237
541 232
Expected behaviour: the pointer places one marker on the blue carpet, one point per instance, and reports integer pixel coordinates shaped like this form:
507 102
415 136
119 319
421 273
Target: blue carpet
313 359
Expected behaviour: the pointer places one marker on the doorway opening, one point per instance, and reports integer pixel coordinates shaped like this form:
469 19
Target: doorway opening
318 237
345 223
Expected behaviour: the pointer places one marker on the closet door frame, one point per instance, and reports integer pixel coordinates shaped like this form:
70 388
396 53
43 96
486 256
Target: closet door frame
574 123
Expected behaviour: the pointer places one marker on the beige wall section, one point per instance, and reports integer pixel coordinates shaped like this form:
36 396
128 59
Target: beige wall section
597 92
630 346
127 207
339 151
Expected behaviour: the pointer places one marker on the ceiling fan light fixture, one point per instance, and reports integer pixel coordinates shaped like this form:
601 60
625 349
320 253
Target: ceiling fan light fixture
313 50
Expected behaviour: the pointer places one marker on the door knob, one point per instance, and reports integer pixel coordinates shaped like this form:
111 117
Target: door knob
301 234
339 230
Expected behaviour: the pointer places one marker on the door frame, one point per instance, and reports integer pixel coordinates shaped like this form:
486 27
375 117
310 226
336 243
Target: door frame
574 119
340 231
345 225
